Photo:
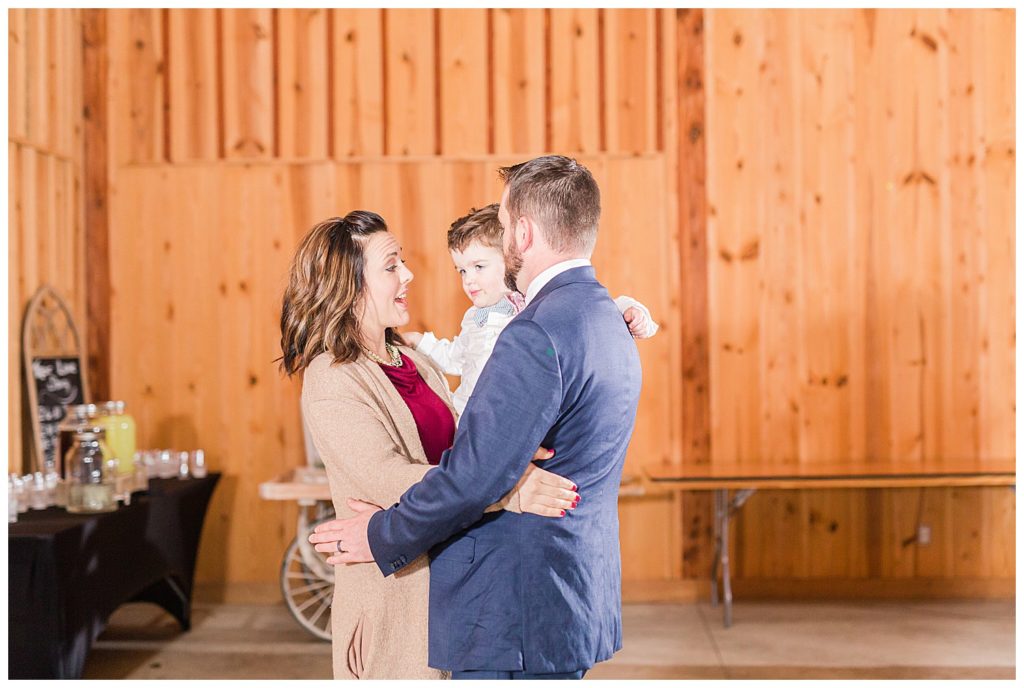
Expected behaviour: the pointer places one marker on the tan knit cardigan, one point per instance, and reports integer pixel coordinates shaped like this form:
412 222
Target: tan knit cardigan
367 439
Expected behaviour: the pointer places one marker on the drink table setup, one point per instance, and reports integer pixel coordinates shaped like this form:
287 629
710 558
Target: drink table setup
68 572
100 525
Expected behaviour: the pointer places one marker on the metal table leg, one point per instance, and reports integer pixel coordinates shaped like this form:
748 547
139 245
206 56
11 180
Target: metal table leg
724 509
716 525
724 556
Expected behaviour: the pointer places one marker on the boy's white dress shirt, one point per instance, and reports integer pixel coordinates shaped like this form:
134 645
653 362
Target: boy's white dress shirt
466 354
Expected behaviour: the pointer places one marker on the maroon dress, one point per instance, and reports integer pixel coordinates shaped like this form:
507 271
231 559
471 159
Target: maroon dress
434 419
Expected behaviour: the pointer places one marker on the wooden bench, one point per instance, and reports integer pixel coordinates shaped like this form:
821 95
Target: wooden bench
746 479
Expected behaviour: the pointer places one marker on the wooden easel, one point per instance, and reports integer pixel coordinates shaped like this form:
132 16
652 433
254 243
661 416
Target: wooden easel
48 330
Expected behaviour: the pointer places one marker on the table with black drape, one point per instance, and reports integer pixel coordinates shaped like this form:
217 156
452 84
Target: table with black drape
67 573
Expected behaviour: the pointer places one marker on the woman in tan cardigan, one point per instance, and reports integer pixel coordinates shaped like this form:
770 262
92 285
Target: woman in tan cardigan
379 414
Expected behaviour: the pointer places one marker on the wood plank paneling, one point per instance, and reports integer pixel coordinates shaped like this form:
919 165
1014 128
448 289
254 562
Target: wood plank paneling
357 73
854 327
998 166
630 189
464 81
668 112
518 80
45 232
39 49
735 44
49 126
76 117
194 85
960 231
783 201
303 92
136 89
247 78
44 173
410 78
96 163
574 68
17 73
67 51
15 289
630 80
194 400
826 322
686 71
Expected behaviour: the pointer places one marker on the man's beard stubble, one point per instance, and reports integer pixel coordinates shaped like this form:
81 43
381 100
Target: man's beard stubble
513 264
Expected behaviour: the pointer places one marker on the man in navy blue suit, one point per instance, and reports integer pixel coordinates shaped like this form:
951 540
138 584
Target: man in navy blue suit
518 595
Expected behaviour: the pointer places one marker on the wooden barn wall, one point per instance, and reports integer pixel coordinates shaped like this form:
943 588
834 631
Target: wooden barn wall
818 207
861 281
45 231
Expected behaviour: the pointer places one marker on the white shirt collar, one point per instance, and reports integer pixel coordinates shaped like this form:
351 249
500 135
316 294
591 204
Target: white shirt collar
543 278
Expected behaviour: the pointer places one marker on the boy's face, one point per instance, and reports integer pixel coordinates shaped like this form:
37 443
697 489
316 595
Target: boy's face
482 270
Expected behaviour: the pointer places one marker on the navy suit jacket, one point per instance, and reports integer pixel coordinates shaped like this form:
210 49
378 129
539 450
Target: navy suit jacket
520 592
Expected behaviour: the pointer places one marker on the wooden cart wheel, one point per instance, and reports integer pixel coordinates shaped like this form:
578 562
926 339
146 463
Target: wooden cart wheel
307 584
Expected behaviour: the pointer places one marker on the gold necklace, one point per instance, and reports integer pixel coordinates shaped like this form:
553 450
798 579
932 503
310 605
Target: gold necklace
396 356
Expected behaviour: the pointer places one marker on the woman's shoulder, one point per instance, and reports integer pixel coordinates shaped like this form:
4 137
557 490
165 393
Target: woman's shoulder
323 364
323 371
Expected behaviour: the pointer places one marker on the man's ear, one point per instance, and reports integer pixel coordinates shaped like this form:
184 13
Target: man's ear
525 232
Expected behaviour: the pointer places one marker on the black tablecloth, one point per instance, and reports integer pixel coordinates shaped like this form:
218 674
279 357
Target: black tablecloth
67 573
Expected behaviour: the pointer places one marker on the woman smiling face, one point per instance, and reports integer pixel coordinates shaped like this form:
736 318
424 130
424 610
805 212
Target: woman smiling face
385 285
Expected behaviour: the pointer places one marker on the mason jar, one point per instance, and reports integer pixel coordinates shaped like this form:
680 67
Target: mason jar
91 483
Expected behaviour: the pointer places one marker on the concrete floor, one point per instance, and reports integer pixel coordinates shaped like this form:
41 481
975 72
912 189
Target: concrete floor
769 640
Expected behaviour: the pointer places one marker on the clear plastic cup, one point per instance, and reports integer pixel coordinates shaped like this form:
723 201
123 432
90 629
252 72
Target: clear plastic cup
140 474
20 492
167 465
12 503
37 492
52 480
183 465
197 461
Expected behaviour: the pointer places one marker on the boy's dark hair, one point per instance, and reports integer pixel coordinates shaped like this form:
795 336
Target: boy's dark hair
477 225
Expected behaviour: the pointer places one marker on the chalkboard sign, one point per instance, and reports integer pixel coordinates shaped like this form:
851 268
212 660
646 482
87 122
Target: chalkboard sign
53 376
58 383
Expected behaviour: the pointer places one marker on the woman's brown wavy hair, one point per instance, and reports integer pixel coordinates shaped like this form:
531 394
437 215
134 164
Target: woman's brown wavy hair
325 285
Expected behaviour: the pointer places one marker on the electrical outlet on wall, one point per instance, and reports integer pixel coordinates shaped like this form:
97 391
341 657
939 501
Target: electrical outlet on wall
924 535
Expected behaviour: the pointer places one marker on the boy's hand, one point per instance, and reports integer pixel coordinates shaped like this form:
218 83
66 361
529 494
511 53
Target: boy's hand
636 320
413 338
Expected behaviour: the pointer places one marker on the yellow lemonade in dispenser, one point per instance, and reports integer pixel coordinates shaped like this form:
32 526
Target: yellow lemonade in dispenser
120 435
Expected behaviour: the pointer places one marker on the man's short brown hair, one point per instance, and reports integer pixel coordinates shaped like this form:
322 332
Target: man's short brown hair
478 225
561 195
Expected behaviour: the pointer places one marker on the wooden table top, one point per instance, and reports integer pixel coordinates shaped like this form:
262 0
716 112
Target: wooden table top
304 483
958 473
